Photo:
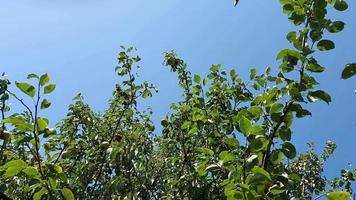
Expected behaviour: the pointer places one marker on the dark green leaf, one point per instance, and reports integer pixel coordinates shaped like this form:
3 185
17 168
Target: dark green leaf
45 104
325 45
289 150
276 157
316 35
336 26
314 67
349 71
285 134
340 5
319 94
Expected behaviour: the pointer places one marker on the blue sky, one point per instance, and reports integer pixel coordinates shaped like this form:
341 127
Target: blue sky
76 42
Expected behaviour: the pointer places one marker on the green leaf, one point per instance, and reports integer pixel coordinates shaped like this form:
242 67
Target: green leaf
288 119
164 123
338 196
49 88
297 19
292 56
255 111
252 73
231 142
314 67
197 78
276 108
44 79
226 156
232 193
45 104
233 74
289 150
13 120
277 191
129 196
336 26
12 171
316 35
67 193
40 193
257 130
288 9
245 125
294 177
19 123
319 94
206 151
341 5
256 145
285 134
31 171
349 71
14 163
42 124
292 36
325 45
32 76
215 68
53 182
201 169
276 157
26 88
320 4
259 170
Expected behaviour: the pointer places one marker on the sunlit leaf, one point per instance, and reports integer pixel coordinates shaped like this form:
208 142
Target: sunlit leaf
67 193
338 196
44 79
49 88
26 88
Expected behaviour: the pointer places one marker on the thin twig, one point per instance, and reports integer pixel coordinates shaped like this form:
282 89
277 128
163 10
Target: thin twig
22 102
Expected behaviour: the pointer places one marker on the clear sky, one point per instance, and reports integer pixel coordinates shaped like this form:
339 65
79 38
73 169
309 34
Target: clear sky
76 42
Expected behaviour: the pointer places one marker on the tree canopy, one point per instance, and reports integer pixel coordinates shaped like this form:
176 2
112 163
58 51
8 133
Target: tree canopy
225 139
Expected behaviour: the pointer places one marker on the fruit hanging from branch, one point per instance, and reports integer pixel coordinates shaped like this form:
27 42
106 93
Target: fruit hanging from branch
4 135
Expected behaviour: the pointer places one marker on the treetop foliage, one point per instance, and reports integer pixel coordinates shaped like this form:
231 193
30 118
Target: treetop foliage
226 138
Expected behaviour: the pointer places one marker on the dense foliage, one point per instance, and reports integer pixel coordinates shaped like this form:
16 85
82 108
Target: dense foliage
226 138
